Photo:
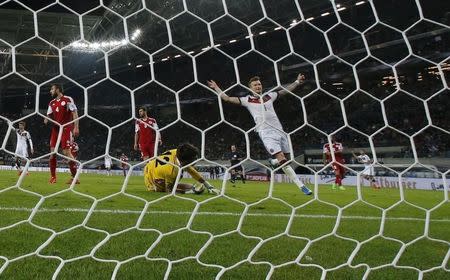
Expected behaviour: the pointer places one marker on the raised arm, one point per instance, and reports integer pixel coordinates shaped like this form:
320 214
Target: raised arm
290 88
234 100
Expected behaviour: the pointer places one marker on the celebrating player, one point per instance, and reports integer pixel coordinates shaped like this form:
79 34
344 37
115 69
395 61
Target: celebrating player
146 134
338 169
124 159
368 172
23 140
235 159
268 125
62 110
160 173
108 163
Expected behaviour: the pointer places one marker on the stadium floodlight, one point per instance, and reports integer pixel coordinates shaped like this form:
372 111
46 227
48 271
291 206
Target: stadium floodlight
245 215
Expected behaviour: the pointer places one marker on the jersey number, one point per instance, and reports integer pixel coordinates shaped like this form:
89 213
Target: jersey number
166 159
57 109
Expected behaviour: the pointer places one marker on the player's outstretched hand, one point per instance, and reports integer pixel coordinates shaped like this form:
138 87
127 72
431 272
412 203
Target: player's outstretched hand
210 188
212 84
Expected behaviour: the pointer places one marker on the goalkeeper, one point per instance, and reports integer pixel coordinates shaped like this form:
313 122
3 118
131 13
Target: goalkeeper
160 173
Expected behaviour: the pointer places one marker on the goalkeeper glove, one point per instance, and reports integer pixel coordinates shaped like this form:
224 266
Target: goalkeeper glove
210 188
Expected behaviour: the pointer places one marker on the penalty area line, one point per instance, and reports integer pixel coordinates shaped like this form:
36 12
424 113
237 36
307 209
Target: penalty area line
276 215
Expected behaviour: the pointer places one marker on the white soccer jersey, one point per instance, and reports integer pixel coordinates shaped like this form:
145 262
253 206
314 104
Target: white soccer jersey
364 159
22 138
262 110
107 161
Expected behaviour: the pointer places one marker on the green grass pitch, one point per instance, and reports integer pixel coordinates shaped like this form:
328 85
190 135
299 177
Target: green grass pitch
135 234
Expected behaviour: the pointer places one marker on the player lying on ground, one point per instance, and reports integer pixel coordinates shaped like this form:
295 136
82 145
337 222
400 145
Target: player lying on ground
160 173
23 140
268 125
368 172
337 163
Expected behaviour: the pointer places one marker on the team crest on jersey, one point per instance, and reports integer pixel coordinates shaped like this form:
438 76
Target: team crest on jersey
63 103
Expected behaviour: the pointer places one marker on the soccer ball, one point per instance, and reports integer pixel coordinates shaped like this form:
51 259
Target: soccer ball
198 189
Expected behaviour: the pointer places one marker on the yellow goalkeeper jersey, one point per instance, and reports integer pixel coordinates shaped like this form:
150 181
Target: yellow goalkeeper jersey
160 173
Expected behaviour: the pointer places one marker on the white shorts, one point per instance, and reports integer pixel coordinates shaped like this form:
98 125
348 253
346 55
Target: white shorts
275 141
107 165
21 152
368 171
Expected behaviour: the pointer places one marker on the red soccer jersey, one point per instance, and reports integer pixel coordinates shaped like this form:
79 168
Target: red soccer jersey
337 148
61 109
147 131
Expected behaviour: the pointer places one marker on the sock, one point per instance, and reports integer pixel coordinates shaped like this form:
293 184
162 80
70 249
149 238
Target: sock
73 168
18 165
291 174
338 180
52 164
243 178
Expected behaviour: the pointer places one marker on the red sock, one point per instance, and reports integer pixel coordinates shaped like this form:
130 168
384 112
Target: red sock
52 164
73 168
338 181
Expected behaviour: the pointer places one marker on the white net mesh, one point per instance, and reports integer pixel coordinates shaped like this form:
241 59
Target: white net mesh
377 77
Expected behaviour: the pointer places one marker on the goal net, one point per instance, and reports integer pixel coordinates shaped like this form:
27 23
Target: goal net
371 75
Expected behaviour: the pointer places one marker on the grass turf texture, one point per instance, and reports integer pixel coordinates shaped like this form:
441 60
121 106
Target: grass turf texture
120 238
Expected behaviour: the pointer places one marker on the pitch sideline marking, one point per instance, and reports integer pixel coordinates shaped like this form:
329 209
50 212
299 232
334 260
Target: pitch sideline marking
121 211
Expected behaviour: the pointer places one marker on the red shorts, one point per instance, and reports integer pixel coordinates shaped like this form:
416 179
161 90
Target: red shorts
66 137
338 166
147 150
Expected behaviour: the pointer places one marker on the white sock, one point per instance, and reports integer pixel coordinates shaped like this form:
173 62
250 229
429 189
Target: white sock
287 169
274 161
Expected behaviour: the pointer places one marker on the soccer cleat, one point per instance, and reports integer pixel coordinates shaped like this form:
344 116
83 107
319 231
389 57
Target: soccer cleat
333 187
52 180
341 188
306 190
